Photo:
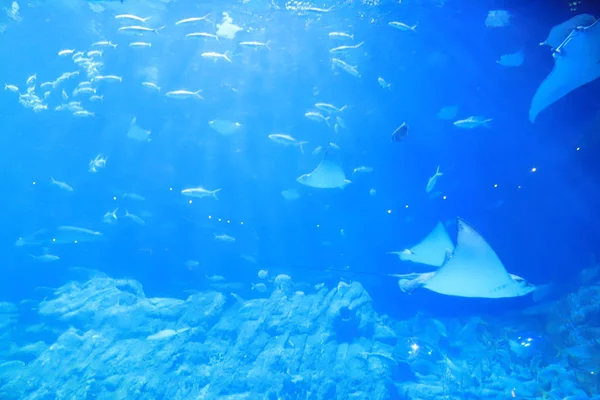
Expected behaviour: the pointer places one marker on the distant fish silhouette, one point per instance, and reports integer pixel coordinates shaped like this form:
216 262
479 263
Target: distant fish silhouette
60 235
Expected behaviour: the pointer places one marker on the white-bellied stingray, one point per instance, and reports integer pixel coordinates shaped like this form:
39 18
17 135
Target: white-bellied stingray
327 175
560 32
576 63
432 250
137 133
472 270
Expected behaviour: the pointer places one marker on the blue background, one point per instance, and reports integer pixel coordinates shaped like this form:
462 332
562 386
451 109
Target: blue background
546 231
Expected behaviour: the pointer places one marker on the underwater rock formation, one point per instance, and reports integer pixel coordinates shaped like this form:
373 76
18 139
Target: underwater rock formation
105 339
117 343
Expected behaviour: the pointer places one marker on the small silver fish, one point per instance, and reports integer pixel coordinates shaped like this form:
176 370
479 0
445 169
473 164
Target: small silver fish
402 26
362 169
184 94
110 217
45 257
432 181
62 185
215 55
473 122
140 44
104 43
193 19
350 69
400 133
347 47
200 192
224 238
341 35
134 218
136 29
383 83
256 45
202 35
316 116
131 16
329 108
287 140
259 287
151 85
191 264
83 114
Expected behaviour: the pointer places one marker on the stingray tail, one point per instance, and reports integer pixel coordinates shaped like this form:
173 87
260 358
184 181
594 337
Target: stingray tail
409 285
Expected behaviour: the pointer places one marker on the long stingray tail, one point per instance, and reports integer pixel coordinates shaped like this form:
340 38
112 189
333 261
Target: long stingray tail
409 285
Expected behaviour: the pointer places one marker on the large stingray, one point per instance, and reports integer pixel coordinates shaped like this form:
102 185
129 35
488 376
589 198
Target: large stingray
576 63
472 270
430 251
327 175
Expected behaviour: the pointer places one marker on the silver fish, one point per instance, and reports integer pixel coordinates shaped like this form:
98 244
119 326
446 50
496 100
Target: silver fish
400 133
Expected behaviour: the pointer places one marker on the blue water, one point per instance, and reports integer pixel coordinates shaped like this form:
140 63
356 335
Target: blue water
542 223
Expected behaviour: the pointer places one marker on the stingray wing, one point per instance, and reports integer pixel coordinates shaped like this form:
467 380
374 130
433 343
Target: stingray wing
432 250
576 63
327 175
474 269
560 32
